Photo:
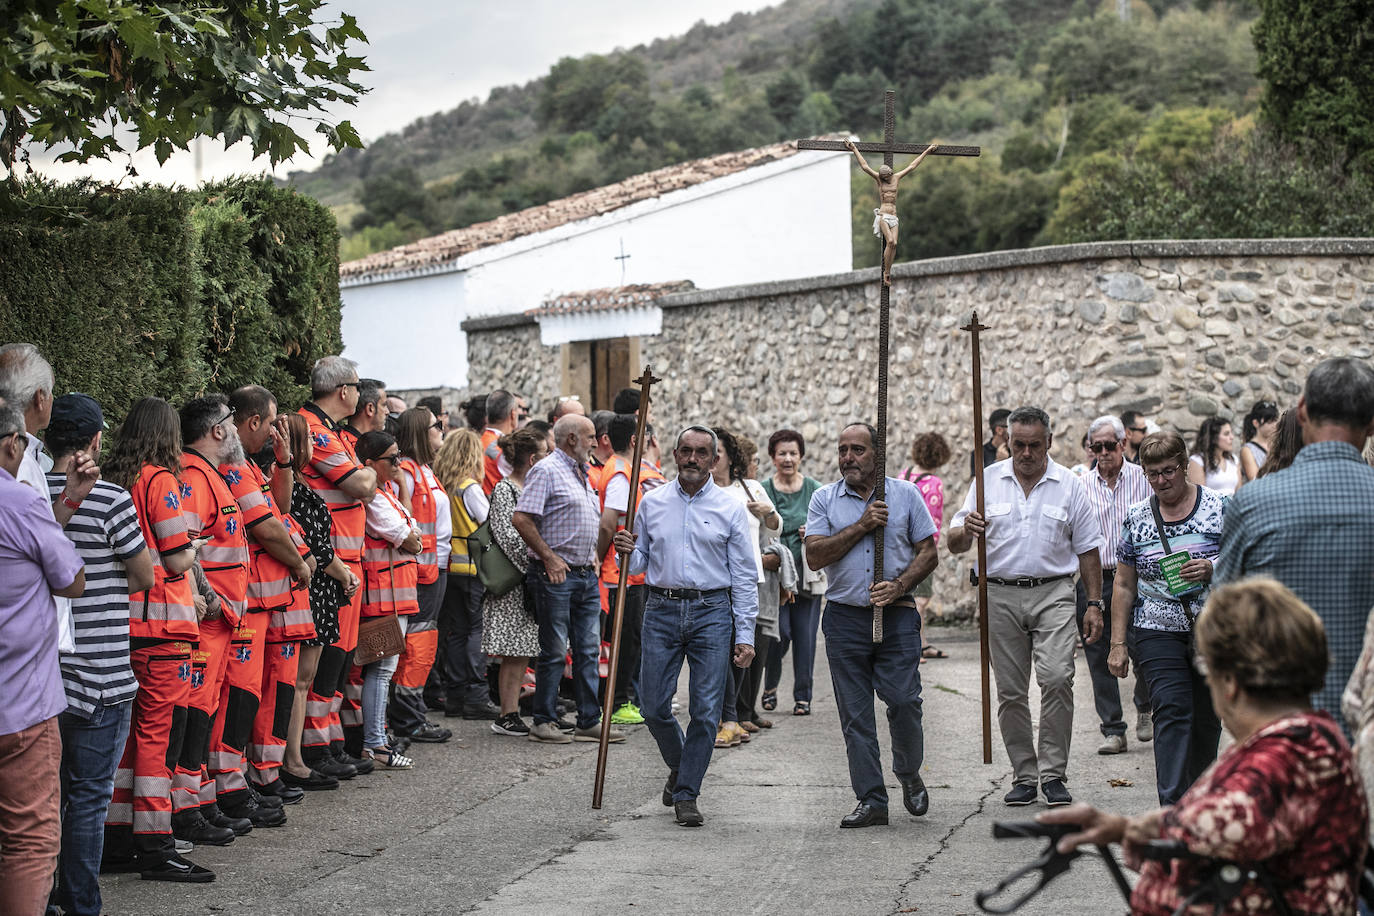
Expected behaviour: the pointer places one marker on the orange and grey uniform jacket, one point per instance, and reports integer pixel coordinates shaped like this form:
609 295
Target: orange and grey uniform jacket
390 575
211 511
424 506
166 610
332 462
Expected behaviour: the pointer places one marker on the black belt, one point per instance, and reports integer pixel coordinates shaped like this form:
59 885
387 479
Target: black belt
689 594
1029 581
574 569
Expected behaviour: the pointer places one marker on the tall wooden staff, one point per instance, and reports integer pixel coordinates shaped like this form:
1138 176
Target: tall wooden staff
645 381
974 327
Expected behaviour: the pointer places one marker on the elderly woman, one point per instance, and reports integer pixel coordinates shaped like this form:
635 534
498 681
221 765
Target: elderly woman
1285 794
1161 608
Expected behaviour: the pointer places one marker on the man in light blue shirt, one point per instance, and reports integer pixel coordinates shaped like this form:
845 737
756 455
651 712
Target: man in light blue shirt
692 542
839 538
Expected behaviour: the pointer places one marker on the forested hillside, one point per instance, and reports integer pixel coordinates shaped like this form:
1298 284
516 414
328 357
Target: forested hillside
1110 119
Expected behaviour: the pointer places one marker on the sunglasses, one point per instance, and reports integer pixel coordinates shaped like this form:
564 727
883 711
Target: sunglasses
1136 429
437 424
345 385
1098 448
394 458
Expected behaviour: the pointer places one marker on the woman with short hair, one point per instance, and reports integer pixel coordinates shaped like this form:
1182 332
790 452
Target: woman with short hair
1285 795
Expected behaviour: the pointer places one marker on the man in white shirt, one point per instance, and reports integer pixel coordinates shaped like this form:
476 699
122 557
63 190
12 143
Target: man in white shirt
1040 529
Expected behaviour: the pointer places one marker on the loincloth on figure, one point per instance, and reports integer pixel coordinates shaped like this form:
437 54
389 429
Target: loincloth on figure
879 217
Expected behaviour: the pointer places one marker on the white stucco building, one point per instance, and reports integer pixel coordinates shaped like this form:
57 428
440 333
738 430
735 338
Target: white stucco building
772 213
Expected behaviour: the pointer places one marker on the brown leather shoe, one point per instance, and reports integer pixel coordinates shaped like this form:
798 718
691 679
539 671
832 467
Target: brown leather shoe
748 726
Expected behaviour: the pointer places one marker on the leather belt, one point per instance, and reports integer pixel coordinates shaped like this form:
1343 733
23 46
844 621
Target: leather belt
1028 581
580 570
688 594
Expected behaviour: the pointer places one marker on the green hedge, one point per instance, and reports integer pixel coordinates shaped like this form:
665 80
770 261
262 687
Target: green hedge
171 292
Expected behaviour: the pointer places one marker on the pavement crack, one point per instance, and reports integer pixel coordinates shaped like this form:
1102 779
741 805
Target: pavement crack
901 905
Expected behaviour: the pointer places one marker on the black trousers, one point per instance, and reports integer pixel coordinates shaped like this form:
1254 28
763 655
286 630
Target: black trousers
461 666
1106 686
631 626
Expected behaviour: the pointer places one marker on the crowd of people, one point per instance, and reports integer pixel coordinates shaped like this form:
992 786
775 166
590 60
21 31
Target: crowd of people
227 606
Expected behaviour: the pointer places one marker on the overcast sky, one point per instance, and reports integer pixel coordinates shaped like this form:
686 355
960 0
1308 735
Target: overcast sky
429 55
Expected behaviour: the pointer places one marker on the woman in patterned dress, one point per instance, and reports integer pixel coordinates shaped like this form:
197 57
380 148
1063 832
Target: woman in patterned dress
1285 795
508 625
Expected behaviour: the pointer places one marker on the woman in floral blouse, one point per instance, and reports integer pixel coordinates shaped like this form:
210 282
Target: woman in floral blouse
1285 795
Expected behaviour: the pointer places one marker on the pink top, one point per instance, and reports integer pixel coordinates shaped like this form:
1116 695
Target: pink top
933 490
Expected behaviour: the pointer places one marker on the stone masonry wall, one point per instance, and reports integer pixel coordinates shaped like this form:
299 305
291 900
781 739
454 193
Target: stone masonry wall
1177 330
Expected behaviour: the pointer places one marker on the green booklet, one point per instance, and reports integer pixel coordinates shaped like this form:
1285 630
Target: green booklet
1171 566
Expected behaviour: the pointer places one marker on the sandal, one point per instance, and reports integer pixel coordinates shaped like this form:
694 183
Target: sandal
801 708
389 757
932 652
770 700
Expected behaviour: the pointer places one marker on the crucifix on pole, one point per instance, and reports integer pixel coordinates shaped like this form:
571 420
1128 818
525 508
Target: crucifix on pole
622 258
885 227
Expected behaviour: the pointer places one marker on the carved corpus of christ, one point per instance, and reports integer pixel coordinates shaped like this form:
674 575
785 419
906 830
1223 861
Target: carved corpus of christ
885 215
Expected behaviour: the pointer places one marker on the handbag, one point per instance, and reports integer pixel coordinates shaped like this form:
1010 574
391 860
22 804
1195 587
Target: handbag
378 637
496 572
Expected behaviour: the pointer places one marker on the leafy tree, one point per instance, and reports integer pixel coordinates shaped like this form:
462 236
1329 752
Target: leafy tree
817 115
859 99
398 196
785 96
79 72
1316 58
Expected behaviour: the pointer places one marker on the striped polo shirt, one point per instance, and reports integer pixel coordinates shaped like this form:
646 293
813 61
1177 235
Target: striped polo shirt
106 533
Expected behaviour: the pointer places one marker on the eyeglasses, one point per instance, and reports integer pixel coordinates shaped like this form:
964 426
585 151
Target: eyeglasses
221 421
437 424
1098 448
345 385
1164 473
1137 429
569 397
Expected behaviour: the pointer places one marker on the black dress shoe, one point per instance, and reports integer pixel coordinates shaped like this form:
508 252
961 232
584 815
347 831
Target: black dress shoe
213 814
267 801
430 733
362 765
687 814
289 795
260 815
915 796
668 788
865 815
483 710
1019 796
315 782
333 769
176 869
194 827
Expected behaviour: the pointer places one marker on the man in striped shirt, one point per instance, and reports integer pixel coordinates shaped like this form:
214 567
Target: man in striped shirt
1113 485
99 683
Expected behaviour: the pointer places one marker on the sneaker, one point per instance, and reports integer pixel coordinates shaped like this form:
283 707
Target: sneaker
1115 744
1145 727
686 814
183 846
593 733
627 714
565 724
510 724
1020 796
549 733
1056 795
176 869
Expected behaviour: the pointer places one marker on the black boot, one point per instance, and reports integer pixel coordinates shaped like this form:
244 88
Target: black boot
213 814
191 825
256 813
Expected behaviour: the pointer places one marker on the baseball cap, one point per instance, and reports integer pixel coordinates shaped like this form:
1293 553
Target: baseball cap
78 414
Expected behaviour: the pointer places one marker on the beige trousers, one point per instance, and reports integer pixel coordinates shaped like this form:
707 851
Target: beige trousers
1034 626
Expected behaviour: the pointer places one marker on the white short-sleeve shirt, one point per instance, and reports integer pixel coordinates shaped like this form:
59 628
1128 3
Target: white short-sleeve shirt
1040 534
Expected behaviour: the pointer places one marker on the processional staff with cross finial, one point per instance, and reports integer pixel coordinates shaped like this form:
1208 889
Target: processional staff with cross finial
885 227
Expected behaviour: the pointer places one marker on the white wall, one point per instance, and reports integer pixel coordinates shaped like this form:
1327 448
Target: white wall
777 221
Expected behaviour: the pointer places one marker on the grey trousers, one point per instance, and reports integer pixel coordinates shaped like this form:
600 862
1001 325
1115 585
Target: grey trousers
1034 627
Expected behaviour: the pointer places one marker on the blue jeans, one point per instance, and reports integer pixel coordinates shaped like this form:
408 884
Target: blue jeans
797 625
376 685
91 748
702 632
1187 729
859 668
572 608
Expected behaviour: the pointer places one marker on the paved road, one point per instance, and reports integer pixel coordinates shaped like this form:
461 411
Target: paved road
499 825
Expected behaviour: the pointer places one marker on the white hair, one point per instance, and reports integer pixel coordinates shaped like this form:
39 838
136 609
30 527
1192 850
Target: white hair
23 373
715 441
1104 421
329 373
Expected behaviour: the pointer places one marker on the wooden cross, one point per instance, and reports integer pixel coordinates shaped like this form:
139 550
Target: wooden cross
888 147
974 327
622 258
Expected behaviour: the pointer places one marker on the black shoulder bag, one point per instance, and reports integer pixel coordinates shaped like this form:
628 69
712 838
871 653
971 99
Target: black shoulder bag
1184 600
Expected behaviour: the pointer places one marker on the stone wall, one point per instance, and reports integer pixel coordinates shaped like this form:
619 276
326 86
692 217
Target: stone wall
1177 330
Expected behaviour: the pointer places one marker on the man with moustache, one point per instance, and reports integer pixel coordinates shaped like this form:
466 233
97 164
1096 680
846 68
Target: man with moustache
839 539
692 542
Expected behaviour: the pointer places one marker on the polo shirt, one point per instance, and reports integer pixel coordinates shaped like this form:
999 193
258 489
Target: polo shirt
1037 534
836 506
35 559
106 535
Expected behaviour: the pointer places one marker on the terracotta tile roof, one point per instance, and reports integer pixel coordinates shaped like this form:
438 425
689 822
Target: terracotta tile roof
611 298
449 246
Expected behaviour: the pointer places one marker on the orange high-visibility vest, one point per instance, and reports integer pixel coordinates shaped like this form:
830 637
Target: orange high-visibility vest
619 467
167 610
491 460
210 506
425 508
294 621
333 459
389 576
270 585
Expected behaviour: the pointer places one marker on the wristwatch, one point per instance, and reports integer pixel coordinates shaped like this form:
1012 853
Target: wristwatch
1095 602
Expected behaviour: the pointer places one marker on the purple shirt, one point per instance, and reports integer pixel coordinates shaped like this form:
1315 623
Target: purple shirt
35 558
558 493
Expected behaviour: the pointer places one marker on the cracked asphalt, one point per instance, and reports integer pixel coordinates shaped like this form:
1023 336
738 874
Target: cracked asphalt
499 825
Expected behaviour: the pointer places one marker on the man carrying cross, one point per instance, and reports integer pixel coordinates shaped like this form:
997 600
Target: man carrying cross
885 215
